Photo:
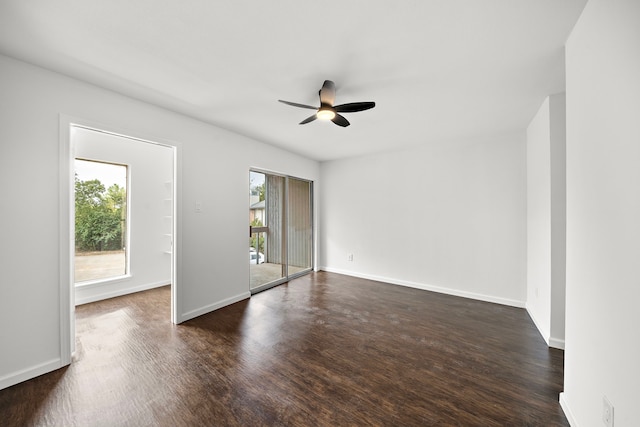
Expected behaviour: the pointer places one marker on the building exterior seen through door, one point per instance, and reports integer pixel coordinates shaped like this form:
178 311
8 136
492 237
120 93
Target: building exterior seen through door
280 229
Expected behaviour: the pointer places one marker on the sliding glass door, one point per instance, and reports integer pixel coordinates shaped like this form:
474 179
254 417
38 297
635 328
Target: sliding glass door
266 219
281 229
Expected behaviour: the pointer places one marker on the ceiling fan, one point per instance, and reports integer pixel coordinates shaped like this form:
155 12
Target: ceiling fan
327 111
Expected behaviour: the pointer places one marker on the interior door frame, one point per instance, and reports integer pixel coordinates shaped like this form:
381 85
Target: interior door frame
67 225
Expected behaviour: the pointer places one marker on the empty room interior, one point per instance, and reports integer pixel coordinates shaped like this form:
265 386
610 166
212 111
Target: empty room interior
440 199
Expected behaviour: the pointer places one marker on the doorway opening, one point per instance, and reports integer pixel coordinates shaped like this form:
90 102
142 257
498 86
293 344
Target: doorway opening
135 227
148 218
280 229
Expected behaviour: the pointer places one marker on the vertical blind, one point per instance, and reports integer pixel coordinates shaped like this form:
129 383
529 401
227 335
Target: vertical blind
296 216
275 218
299 231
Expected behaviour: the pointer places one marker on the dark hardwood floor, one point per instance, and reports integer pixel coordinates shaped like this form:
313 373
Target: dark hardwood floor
323 350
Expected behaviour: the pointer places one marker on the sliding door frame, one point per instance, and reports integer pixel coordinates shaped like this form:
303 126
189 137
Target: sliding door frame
285 233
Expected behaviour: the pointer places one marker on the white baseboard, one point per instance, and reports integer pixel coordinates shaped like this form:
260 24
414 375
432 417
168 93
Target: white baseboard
567 411
556 343
212 307
425 287
28 373
99 296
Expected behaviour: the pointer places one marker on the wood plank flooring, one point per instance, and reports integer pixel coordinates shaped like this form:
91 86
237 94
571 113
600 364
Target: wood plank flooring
323 350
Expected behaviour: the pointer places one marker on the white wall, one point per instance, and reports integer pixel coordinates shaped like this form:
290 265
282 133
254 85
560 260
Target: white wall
602 355
539 220
150 175
558 124
213 167
450 219
546 219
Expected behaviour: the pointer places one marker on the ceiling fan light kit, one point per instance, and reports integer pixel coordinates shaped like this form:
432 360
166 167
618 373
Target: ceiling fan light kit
325 114
327 111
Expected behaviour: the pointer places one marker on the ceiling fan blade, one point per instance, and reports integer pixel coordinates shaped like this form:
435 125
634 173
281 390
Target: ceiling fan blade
353 107
295 104
328 93
340 121
308 120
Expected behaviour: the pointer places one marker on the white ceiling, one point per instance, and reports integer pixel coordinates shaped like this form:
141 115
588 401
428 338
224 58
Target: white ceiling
437 69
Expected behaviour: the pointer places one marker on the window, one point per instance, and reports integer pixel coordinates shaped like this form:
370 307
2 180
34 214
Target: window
100 220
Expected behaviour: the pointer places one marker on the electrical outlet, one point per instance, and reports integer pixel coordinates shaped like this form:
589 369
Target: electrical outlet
607 412
536 292
350 257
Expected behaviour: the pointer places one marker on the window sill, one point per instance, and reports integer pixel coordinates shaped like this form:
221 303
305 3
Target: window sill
100 282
